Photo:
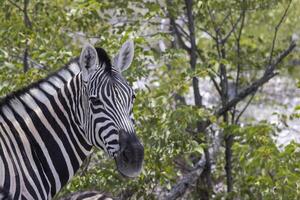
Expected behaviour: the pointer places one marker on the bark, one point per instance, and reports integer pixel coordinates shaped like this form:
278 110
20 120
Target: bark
185 182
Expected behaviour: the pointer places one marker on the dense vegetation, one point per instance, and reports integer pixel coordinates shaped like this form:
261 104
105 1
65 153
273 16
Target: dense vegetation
193 149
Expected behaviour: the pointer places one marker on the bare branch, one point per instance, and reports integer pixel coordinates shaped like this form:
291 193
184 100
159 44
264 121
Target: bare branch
25 57
215 84
280 57
201 56
224 20
276 31
208 33
233 28
28 25
178 35
27 21
185 182
245 107
238 54
256 84
193 50
238 51
16 5
213 20
150 34
184 33
33 62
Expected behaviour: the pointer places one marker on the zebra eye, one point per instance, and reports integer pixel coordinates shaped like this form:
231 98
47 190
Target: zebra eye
95 100
133 96
133 121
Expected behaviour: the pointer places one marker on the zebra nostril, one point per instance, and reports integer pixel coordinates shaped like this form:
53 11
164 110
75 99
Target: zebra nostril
123 140
131 155
125 157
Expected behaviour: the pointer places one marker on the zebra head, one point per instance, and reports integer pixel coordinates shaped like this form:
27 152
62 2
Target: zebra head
107 108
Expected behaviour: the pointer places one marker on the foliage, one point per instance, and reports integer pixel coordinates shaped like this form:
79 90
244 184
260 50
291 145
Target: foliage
263 170
166 124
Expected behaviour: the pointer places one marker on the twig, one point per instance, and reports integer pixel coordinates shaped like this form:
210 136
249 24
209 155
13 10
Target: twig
152 34
34 63
238 53
201 56
175 28
276 31
177 33
27 21
25 57
16 5
232 29
28 25
256 84
213 20
224 20
245 107
215 84
207 32
238 41
184 33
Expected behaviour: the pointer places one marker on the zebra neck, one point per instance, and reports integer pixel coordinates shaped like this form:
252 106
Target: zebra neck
40 129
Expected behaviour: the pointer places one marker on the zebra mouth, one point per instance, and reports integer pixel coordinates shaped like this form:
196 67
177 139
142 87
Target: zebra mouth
130 159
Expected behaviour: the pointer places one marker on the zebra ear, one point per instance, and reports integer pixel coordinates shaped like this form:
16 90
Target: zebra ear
88 61
125 56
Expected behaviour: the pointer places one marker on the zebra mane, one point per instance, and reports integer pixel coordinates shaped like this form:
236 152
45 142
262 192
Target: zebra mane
103 58
7 99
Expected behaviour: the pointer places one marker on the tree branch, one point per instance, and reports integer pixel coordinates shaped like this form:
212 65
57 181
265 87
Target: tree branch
185 182
238 54
256 84
238 51
276 31
207 32
224 20
33 62
178 35
193 51
197 95
245 107
25 57
232 29
180 188
27 21
184 33
16 5
216 84
28 25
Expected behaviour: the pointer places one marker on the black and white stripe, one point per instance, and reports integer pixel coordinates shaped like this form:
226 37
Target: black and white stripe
88 195
49 128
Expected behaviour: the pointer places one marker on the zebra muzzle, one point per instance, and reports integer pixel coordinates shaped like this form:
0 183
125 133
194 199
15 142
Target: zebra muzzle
130 159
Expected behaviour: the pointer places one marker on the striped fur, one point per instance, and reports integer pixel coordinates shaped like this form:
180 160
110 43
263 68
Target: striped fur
49 128
88 195
4 195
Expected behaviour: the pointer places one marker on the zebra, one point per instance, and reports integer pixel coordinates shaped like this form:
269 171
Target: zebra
48 128
4 195
88 195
